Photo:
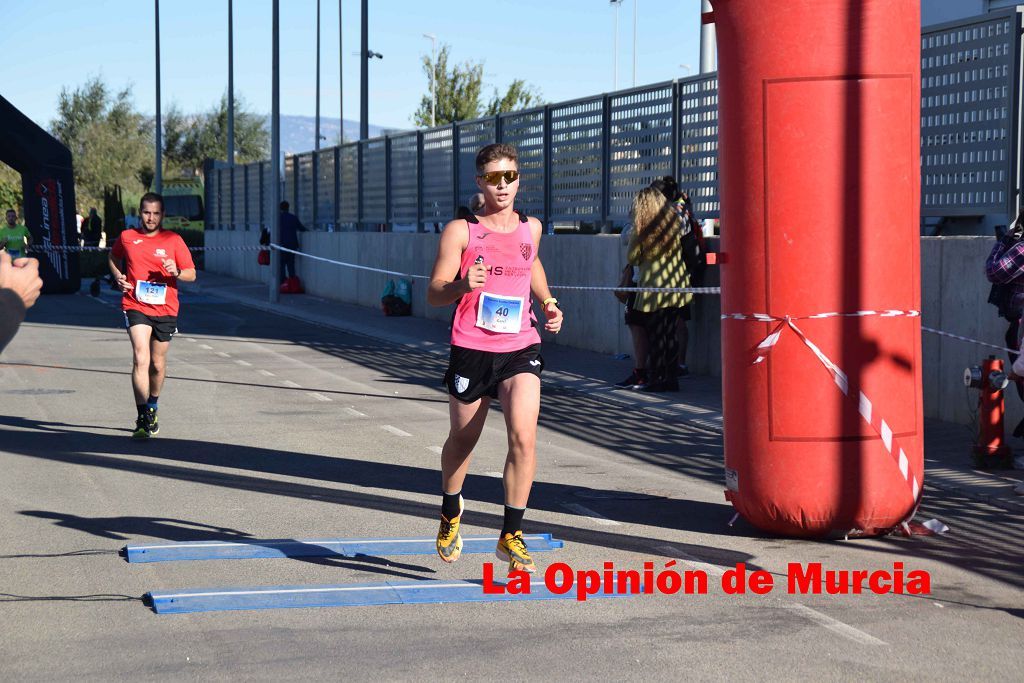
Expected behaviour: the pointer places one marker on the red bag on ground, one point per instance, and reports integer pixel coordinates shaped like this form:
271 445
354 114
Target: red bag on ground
263 257
292 285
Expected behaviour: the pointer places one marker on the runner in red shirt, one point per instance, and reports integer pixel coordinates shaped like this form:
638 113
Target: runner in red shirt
154 259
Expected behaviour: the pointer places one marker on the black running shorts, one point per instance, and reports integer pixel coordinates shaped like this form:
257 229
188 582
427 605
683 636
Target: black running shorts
164 326
474 374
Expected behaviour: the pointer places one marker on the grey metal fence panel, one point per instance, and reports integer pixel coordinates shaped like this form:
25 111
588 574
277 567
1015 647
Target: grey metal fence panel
576 160
403 170
226 198
968 117
304 196
238 198
213 200
525 130
268 183
437 176
290 167
325 189
472 136
698 143
640 145
254 209
374 181
349 184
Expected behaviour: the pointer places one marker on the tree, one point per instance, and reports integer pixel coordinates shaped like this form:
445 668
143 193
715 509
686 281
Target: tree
519 95
189 142
10 189
110 142
458 92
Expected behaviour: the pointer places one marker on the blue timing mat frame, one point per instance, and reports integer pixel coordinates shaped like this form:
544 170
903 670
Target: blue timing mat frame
354 595
332 547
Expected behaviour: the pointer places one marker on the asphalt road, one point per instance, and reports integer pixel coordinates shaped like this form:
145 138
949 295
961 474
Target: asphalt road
275 428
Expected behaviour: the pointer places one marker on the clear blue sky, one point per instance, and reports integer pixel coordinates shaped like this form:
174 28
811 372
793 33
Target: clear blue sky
563 47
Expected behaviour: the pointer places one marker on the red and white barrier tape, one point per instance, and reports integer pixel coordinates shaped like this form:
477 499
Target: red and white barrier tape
76 249
864 406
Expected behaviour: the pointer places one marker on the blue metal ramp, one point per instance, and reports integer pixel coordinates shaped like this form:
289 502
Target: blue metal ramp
354 595
332 547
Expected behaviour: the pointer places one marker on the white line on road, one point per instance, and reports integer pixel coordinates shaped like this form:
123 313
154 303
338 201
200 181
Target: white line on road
710 569
434 449
289 383
223 355
266 373
495 474
353 412
243 363
206 346
587 512
190 339
394 430
319 397
834 625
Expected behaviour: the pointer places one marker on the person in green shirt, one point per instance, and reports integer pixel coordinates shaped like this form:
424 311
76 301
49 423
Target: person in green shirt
14 238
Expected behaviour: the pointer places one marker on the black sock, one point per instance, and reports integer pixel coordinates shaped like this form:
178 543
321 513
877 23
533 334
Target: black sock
141 407
513 520
450 505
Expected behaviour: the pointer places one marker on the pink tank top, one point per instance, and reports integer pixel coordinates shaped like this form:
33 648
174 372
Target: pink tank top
499 316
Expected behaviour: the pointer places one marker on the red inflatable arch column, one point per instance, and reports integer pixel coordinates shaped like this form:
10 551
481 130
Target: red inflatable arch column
819 125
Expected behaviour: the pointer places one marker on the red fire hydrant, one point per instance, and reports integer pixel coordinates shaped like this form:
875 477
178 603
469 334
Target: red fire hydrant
990 451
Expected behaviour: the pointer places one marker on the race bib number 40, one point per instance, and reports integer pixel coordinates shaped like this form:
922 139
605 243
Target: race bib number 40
152 293
500 313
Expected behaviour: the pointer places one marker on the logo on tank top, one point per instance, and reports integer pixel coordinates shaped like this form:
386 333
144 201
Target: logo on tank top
461 384
526 250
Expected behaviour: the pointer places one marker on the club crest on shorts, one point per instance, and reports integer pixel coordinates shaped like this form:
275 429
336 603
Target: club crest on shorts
526 250
461 384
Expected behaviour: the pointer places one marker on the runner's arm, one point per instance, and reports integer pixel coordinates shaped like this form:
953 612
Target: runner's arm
539 284
444 289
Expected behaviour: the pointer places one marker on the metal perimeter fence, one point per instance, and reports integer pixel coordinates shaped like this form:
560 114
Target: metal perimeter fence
583 161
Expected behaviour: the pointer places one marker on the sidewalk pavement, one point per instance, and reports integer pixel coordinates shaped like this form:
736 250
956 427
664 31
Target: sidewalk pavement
698 403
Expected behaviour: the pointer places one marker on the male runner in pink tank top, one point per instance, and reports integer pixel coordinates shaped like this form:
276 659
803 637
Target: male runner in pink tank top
495 346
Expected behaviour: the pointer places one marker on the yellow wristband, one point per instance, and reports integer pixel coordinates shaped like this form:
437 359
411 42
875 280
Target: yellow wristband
549 300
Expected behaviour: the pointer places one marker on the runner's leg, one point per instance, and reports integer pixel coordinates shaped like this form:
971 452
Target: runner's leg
140 336
467 422
520 401
157 366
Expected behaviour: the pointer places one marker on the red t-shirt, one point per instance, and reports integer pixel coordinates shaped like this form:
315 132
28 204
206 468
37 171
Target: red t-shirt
154 290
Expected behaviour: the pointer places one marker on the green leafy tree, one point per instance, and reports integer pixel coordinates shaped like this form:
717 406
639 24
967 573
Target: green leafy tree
519 95
190 141
459 92
10 189
110 141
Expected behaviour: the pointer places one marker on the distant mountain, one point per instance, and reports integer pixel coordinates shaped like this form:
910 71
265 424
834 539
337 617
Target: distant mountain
298 133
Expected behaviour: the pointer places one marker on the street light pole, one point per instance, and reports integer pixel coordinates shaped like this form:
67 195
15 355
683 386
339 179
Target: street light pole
275 153
433 77
316 144
708 42
635 3
158 178
615 50
341 81
231 83
364 74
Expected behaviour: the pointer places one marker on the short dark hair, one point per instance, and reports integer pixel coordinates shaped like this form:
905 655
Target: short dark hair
10 211
151 198
495 152
284 206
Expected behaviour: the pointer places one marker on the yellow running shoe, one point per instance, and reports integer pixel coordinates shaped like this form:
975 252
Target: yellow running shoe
512 549
449 540
141 428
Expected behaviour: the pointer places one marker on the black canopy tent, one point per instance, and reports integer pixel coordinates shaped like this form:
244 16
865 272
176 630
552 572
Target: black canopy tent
48 184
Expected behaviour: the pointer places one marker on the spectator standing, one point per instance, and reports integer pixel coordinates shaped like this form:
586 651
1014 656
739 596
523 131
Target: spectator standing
92 229
655 247
290 228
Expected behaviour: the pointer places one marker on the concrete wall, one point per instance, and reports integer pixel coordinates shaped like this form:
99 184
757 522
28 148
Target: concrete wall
953 293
